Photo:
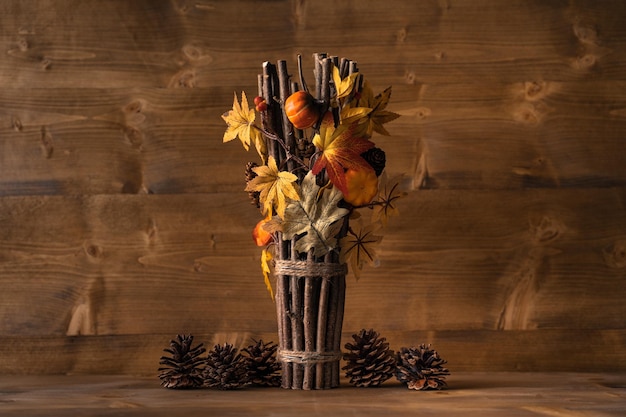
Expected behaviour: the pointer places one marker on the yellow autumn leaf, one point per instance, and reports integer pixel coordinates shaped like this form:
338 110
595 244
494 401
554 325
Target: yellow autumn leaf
240 120
266 257
378 116
344 86
354 115
275 187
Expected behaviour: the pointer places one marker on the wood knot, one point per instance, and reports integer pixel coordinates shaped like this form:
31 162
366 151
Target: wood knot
401 35
47 146
192 52
184 79
615 254
410 77
152 231
22 45
200 266
45 64
546 229
134 136
586 33
16 123
585 62
423 112
534 90
135 106
93 251
527 113
134 112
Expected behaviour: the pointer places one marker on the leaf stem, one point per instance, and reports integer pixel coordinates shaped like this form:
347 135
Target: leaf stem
279 140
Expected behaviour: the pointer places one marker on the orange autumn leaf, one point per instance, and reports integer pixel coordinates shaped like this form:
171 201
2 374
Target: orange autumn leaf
341 150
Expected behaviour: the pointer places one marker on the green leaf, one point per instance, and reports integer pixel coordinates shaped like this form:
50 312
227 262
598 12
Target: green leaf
315 218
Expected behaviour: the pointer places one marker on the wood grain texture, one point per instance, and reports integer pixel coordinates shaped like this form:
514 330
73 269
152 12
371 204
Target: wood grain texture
469 350
470 394
123 219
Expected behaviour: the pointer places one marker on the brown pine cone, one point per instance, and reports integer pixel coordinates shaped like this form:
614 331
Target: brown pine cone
263 368
225 368
185 367
370 361
250 175
376 158
421 368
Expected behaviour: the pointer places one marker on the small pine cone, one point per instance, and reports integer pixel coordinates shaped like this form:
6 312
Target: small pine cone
250 175
421 368
225 368
185 367
370 361
376 158
263 368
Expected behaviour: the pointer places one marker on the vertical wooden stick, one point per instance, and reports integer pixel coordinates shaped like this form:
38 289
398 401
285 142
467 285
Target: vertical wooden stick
341 298
318 58
322 320
297 327
309 329
284 90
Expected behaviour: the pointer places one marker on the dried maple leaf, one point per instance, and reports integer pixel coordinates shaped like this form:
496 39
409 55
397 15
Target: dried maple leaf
378 116
389 192
340 150
266 257
314 218
359 247
240 121
343 86
275 187
354 115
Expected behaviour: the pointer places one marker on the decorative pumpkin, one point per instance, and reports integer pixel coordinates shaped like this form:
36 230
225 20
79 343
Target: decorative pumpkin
302 110
362 185
261 236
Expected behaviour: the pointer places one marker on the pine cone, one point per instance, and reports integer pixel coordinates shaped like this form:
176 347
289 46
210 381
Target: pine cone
263 368
376 158
184 368
250 175
225 368
421 368
370 361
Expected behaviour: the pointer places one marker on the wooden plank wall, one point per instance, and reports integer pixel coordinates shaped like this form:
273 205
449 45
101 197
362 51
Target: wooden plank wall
122 216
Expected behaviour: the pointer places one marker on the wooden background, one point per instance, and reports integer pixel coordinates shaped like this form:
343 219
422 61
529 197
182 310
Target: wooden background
123 219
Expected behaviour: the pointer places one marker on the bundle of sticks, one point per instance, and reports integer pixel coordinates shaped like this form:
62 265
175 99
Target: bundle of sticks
310 290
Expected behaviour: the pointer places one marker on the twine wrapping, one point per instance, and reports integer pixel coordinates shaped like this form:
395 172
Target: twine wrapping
309 358
310 269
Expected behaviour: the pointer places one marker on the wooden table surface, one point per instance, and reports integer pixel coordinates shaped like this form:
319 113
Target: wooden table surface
469 394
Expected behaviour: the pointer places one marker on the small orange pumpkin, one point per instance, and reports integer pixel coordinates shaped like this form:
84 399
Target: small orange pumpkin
362 185
261 236
301 110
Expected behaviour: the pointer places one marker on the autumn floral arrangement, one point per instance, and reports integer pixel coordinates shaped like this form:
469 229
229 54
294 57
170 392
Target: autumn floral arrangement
324 197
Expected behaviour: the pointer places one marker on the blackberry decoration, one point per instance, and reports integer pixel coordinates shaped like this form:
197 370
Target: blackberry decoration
421 368
184 368
370 361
